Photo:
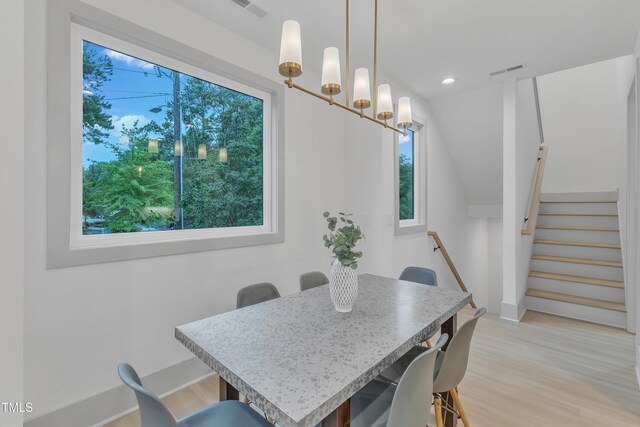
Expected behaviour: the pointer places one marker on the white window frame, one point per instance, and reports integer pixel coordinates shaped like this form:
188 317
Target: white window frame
418 223
68 25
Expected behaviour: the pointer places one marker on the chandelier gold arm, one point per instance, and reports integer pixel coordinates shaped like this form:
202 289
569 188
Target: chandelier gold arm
332 101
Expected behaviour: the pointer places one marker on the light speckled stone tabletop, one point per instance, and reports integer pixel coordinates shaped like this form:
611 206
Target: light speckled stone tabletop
298 359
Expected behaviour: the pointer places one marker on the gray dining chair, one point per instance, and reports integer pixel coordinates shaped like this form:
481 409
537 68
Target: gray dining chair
313 279
257 293
154 413
451 365
381 404
426 276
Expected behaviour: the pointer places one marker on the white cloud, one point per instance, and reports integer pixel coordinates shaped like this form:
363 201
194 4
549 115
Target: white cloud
129 60
126 122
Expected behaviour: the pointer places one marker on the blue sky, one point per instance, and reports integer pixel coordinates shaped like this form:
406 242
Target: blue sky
133 90
406 145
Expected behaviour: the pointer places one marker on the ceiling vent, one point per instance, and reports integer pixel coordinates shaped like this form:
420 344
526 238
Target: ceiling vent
242 3
507 70
252 8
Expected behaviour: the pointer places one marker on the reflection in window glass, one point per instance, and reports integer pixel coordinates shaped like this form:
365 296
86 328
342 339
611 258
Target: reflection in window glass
406 175
163 150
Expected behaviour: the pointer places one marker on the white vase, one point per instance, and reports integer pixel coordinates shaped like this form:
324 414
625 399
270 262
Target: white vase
343 286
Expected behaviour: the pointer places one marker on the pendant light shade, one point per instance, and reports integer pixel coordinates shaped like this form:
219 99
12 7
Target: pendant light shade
290 49
361 90
202 152
222 155
385 104
153 146
404 112
177 149
331 83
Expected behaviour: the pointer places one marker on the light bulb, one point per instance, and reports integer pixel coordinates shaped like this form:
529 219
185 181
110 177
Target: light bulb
361 90
331 82
404 112
153 146
202 152
385 104
290 49
222 155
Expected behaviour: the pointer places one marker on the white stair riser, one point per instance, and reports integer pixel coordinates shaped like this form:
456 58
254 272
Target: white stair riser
576 311
579 221
586 196
577 289
579 236
578 252
595 271
600 208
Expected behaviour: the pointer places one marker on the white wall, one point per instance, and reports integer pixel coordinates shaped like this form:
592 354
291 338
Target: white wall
82 321
583 114
12 211
370 192
521 141
494 262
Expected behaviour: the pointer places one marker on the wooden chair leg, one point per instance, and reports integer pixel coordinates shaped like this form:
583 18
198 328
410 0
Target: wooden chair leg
437 408
428 344
456 400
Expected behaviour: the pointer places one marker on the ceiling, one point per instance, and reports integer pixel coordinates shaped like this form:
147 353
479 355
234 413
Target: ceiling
421 42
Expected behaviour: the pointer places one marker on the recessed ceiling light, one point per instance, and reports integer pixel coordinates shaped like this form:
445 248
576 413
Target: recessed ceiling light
448 81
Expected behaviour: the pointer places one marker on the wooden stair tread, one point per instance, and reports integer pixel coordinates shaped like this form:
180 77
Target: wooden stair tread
575 214
572 299
563 227
577 279
578 201
586 261
582 244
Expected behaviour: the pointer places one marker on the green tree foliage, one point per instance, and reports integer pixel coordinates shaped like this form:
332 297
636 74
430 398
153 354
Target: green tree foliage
406 187
134 189
216 193
96 70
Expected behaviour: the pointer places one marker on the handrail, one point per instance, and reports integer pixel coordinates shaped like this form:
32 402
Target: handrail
536 96
532 219
447 258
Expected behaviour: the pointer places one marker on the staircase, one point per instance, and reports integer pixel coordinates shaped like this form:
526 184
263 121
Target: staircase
576 267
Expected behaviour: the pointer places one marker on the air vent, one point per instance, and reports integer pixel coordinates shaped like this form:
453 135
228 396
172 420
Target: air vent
256 10
242 3
507 70
250 7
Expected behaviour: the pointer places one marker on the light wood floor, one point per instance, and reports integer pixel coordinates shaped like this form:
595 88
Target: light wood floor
546 371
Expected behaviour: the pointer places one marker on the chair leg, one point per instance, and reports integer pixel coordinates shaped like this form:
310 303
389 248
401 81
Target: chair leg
456 400
437 408
428 344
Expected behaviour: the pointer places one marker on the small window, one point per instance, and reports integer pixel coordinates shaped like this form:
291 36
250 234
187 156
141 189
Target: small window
411 180
168 151
406 169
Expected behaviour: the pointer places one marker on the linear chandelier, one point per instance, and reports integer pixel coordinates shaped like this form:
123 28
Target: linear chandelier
291 66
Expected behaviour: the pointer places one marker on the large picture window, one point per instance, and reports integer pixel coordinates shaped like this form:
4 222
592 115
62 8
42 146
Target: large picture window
167 150
163 150
411 177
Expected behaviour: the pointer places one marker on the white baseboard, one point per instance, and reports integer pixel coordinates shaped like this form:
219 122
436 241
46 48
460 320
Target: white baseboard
119 401
513 312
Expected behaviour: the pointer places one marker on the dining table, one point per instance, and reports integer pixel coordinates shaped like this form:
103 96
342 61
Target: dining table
300 361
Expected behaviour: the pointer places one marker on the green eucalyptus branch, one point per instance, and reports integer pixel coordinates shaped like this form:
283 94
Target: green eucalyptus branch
342 240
